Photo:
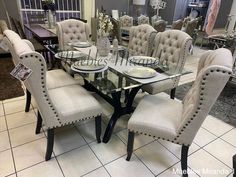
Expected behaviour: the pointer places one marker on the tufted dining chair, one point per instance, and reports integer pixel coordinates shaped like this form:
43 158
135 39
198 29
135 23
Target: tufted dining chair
141 40
179 122
70 31
3 27
126 21
58 107
159 25
177 25
142 19
55 78
172 48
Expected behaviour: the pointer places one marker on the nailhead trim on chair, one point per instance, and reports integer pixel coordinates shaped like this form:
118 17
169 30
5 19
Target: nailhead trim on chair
75 121
201 99
43 85
192 118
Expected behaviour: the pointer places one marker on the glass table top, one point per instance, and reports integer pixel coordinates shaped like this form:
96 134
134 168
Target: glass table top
113 78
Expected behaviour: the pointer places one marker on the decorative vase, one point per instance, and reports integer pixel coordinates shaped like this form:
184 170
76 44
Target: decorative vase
50 19
103 45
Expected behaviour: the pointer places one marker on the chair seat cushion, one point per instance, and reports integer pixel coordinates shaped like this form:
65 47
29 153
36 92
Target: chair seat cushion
59 78
158 87
74 103
153 117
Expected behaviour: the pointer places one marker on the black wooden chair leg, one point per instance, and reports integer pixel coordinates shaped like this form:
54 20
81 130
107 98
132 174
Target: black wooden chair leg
28 100
234 165
172 93
50 142
39 123
98 128
130 145
184 160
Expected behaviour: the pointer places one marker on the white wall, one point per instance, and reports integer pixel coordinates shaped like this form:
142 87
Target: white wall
233 12
88 10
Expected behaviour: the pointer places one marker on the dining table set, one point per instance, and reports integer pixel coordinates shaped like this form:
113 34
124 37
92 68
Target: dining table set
114 76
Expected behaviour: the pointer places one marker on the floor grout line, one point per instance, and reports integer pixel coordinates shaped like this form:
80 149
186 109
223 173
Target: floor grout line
13 158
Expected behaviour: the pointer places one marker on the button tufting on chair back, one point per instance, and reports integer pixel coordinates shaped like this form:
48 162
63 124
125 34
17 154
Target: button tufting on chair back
141 40
172 48
70 31
126 21
160 25
214 70
143 20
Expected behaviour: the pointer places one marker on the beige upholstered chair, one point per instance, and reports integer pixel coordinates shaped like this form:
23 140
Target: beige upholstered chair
186 20
142 19
141 40
172 48
59 106
55 78
126 21
3 27
191 26
70 31
177 25
179 122
160 25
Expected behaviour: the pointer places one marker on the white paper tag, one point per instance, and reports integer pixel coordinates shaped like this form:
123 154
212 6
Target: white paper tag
21 72
4 46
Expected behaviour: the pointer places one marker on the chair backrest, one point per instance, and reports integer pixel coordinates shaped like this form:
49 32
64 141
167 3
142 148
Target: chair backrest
71 31
141 40
116 29
10 38
177 25
191 26
214 71
186 20
160 25
126 21
37 82
3 26
36 18
172 48
143 20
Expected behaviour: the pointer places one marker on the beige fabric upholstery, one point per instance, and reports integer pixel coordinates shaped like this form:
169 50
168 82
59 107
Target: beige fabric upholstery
141 40
177 25
71 31
126 21
58 106
173 46
191 26
3 26
143 20
55 78
179 122
160 25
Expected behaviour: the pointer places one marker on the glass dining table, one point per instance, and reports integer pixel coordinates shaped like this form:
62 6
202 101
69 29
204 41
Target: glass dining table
112 82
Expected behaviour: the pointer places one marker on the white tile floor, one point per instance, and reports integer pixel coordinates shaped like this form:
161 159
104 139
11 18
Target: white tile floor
76 152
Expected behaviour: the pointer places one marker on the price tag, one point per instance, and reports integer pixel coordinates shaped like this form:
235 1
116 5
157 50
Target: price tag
21 72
